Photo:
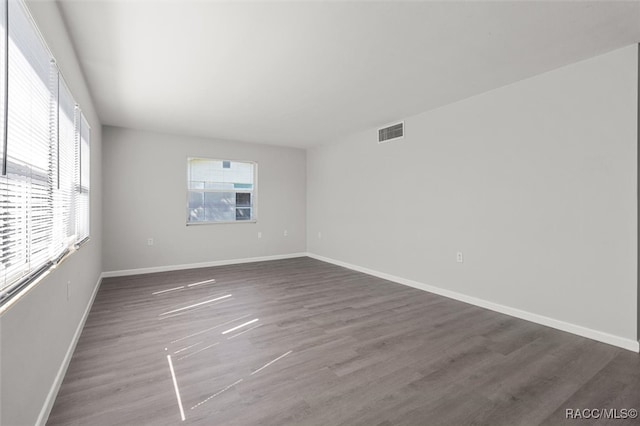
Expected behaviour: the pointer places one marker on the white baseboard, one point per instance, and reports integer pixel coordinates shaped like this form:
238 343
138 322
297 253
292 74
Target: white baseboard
55 387
126 272
630 344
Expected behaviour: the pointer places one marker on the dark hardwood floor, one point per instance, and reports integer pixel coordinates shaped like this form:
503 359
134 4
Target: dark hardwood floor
302 342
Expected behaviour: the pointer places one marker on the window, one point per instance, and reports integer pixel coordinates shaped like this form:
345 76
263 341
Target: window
221 191
4 56
44 206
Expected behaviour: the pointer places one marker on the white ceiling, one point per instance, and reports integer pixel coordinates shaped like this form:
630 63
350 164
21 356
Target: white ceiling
304 73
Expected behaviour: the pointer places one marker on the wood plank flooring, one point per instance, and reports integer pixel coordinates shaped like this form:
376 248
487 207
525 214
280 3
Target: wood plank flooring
302 342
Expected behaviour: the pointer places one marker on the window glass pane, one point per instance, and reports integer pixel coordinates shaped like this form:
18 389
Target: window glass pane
243 199
195 209
219 206
211 206
243 214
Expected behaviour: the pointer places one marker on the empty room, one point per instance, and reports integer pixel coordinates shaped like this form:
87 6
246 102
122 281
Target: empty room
319 212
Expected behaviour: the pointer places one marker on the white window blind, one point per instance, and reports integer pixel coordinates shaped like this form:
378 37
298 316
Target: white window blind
44 207
26 201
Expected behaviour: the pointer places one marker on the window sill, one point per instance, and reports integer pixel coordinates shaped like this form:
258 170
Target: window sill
37 279
13 299
231 222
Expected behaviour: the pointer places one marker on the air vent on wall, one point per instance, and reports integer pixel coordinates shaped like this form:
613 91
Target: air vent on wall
395 131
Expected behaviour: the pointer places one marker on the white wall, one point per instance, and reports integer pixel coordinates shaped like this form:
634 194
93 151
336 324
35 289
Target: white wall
37 331
145 197
535 182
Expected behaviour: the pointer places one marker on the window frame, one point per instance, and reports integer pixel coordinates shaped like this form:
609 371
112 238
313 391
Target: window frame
254 192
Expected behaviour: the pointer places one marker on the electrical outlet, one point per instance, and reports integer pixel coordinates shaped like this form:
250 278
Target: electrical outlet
459 257
286 233
149 241
259 235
